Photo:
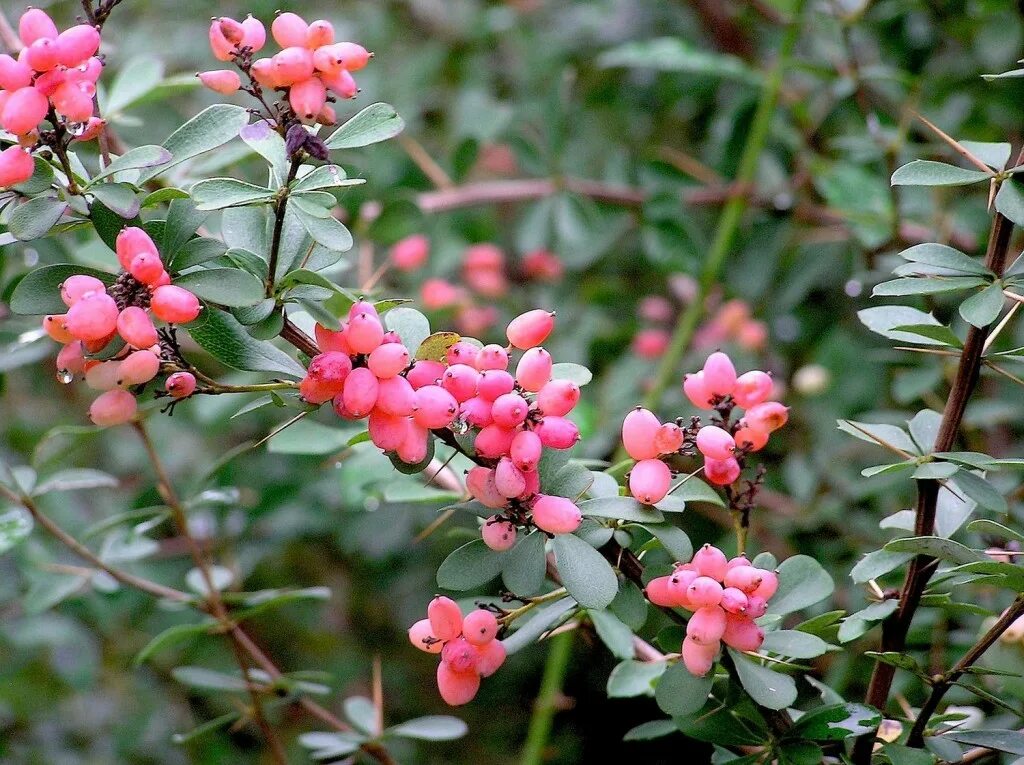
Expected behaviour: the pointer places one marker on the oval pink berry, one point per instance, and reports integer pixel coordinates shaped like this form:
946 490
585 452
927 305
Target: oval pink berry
413 450
77 43
360 391
456 688
679 586
133 241
16 166
525 450
704 591
480 483
510 410
104 375
498 534
14 74
710 561
73 100
530 329
649 481
320 33
722 472
422 636
388 360
325 377
558 397
24 109
744 578
494 383
476 411
254 34
292 65
42 55
147 268
136 328
719 374
769 416
490 656
669 438
491 357
480 627
557 432
387 431
435 407
752 388
493 441
224 81
715 442
137 368
71 358
751 439
462 352
556 515
659 592
706 626
445 618
365 333
113 408
534 369
34 24
289 29
699 658
460 380
769 584
93 317
174 304
410 253
697 391
181 384
307 97
742 633
733 600
508 479
425 373
639 429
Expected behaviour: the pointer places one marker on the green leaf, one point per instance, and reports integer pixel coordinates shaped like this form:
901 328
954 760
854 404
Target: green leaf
835 722
576 373
672 538
218 193
470 566
878 563
15 525
766 687
225 339
695 490
377 122
621 508
135 159
802 583
39 292
119 197
924 172
680 693
436 346
183 220
1010 200
223 286
74 479
361 712
1011 741
926 285
941 334
310 437
879 434
532 627
207 679
326 231
982 308
981 491
411 325
325 177
895 658
269 144
526 566
935 471
613 633
936 547
674 54
884 319
430 728
172 636
985 526
196 252
635 678
794 644
34 218
587 576
942 256
212 127
650 730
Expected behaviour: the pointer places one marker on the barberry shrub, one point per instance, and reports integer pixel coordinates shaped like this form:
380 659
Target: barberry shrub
204 274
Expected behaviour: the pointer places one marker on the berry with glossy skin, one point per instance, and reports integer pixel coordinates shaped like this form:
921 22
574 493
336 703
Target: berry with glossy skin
704 591
55 327
365 332
744 578
71 358
411 253
289 29
42 55
722 472
103 375
113 408
76 44
719 374
181 384
292 65
23 110
493 441
480 627
133 241
769 584
396 397
387 431
556 515
307 97
14 74
174 304
92 317
530 329
462 352
480 483
388 360
494 383
659 592
525 450
751 439
421 636
498 534
351 56
435 407
734 601
137 368
707 625
147 268
669 438
508 479
697 391
715 442
558 397
697 657
459 655
752 388
456 688
460 380
360 392
742 633
491 357
510 410
769 416
534 369
73 100
413 450
649 481
490 657
254 34
639 429
425 373
476 411
325 377
557 432
710 561
74 287
445 618
679 585
36 24
320 33
224 81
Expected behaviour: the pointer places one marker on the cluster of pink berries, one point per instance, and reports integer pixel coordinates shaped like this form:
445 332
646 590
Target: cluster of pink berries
733 322
310 65
646 439
718 387
97 315
53 77
726 596
468 647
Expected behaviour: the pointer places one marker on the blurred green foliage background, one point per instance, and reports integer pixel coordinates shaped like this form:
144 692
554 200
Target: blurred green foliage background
647 96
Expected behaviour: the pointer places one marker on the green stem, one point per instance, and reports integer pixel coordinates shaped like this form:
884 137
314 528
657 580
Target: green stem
547 699
731 215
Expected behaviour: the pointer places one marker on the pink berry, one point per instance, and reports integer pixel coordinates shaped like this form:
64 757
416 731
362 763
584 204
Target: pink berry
93 317
491 357
254 34
325 377
223 49
147 268
24 109
411 253
756 607
137 368
320 33
480 627
719 374
556 515
265 73
650 343
534 369
181 384
558 397
542 265
174 304
360 392
459 655
307 97
739 560
414 448
494 383
437 293
649 481
74 287
744 578
557 432
113 408
16 166
388 360
365 333
289 29
722 472
481 484
351 56
476 411
460 380
445 618
425 373
498 534
77 43
699 658
387 431
73 100
435 407
36 24
14 74
510 410
530 329
103 375
769 584
421 636
490 656
752 388
697 391
456 688
659 592
42 55
706 626
293 65
734 601
493 441
752 439
71 358
704 591
769 416
462 352
508 479
133 241
679 585
639 429
742 633
669 438
525 450
710 561
715 442
223 81
55 327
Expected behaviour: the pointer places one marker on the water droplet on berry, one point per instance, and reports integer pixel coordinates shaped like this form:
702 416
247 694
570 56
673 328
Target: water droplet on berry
77 128
65 377
459 427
